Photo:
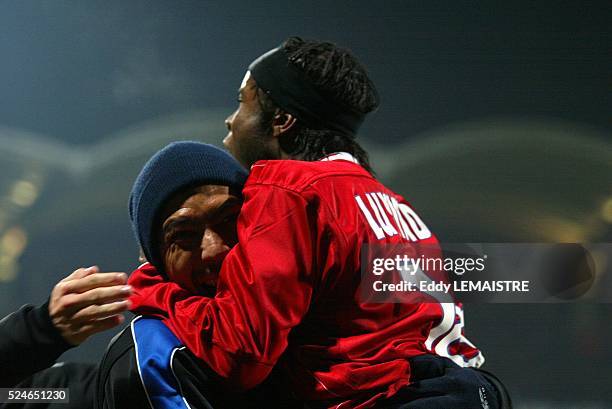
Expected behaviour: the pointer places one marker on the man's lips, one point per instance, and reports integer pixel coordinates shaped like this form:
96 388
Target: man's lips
209 281
208 277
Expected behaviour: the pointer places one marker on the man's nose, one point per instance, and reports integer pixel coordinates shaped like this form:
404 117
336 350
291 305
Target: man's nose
228 121
214 247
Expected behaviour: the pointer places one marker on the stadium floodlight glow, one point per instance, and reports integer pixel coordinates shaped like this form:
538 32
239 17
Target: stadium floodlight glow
606 210
24 193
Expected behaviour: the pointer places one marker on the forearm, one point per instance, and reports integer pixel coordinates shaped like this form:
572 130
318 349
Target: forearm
220 336
239 334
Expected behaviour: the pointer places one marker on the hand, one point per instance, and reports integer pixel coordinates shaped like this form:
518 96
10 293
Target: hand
438 383
87 302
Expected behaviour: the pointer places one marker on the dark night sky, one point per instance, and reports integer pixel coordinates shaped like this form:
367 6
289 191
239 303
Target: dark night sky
78 71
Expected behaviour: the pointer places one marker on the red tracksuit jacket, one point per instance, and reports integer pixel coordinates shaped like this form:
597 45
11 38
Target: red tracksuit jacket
290 287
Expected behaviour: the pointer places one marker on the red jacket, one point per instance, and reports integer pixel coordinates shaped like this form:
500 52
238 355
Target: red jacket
291 288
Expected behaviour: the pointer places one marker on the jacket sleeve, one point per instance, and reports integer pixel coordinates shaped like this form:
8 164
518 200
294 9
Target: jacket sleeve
78 378
264 290
28 343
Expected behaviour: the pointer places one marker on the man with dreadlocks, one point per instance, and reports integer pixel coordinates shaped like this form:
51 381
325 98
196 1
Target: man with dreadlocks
288 309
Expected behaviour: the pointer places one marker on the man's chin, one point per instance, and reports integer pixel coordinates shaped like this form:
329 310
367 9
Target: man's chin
206 290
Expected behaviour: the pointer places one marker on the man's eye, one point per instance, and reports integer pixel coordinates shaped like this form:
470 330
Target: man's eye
227 219
185 238
226 223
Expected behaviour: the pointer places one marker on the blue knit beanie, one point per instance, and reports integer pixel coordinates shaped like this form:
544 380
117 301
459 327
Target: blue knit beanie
177 166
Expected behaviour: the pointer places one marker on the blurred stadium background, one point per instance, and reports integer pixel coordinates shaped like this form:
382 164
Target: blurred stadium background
495 124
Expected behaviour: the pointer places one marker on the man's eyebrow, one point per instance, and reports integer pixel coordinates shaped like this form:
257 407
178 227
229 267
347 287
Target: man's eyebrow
175 222
246 86
178 221
228 204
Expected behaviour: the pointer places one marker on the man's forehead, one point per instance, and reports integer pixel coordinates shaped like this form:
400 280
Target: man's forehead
247 75
204 193
185 202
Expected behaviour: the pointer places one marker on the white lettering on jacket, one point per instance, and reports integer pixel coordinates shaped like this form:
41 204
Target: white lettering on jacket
387 217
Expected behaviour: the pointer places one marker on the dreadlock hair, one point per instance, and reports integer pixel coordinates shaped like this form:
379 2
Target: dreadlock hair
338 76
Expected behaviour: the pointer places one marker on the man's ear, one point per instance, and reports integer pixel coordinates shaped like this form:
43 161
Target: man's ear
282 122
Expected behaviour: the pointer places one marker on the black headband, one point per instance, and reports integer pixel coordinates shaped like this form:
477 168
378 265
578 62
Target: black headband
292 91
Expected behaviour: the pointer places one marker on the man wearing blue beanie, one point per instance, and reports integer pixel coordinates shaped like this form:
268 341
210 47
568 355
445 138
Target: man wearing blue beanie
183 209
178 166
187 198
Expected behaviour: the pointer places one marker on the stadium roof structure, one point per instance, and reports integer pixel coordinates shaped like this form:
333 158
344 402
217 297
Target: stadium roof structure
496 179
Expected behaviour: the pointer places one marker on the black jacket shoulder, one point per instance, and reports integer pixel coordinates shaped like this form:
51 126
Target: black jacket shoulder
120 383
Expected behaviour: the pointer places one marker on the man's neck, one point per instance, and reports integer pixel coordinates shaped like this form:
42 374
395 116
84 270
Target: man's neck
332 156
